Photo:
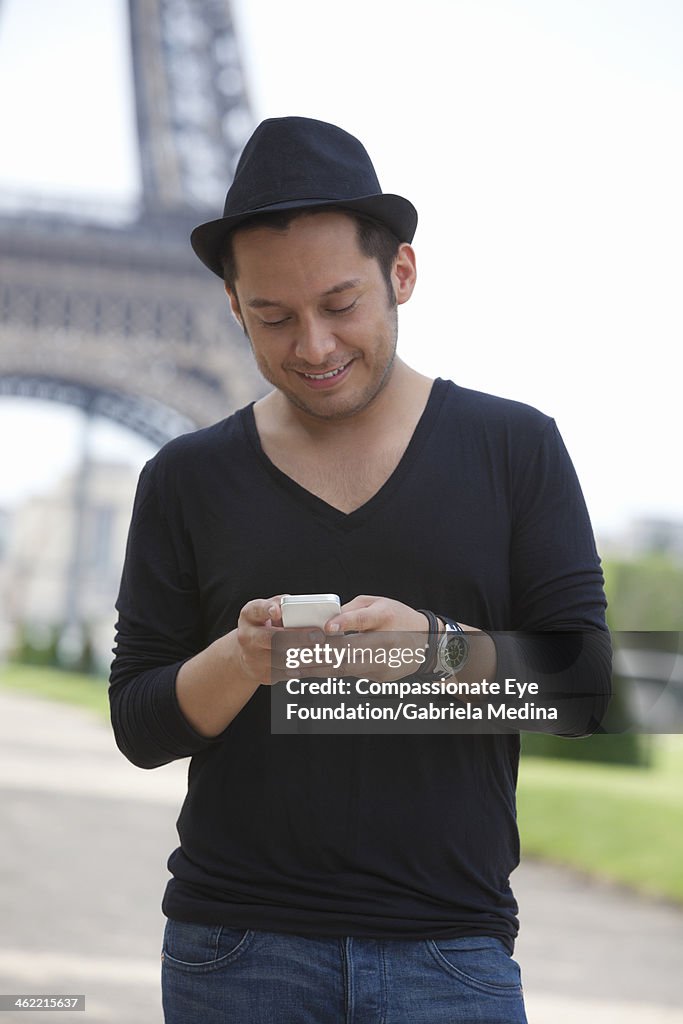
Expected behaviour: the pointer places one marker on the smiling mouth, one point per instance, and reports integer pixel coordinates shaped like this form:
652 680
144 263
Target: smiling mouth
324 376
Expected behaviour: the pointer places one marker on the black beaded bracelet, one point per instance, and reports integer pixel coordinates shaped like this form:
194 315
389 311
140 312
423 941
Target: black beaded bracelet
432 640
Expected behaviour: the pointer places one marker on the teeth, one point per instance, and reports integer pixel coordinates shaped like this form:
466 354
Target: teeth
324 376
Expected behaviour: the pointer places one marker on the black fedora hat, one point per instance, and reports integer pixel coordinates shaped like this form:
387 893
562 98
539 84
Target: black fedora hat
294 162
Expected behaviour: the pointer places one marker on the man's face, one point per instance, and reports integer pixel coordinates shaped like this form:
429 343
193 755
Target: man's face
317 314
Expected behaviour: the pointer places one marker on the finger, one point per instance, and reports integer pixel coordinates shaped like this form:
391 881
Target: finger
361 619
302 636
275 609
341 623
291 642
262 611
361 601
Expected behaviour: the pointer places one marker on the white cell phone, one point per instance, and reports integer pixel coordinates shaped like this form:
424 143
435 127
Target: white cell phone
308 609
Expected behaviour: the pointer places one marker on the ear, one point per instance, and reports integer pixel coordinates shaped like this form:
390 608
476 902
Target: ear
235 306
404 273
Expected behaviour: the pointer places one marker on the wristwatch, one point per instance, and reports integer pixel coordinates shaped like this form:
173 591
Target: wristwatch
447 651
452 651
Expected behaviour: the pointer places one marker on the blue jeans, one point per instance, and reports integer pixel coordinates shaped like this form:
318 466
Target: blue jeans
213 974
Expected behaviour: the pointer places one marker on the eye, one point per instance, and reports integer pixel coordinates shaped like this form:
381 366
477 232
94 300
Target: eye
344 309
274 323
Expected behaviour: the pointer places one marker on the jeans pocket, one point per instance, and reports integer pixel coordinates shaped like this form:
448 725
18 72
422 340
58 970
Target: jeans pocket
202 947
480 961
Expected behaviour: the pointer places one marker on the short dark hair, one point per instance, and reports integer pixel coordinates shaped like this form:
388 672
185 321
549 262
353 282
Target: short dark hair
376 240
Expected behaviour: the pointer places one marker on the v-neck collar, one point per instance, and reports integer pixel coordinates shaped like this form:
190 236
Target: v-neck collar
321 508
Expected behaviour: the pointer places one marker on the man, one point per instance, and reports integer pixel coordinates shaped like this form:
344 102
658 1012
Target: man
340 877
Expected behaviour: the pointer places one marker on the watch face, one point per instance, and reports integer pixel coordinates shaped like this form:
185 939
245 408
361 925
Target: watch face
455 651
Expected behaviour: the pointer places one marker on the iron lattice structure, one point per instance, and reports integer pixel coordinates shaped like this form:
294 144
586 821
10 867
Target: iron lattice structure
110 310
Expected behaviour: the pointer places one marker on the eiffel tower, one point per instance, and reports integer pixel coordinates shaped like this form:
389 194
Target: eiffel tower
120 319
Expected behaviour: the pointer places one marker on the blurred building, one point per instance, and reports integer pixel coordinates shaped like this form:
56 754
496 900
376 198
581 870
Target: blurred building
62 559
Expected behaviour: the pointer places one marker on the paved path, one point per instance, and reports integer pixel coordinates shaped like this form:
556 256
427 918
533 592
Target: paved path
85 838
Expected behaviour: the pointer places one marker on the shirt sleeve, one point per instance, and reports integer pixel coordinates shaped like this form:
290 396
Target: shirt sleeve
559 638
158 628
555 573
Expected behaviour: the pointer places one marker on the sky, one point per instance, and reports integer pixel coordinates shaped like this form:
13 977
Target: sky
540 142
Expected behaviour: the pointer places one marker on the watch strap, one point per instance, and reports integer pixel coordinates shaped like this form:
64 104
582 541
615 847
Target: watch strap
451 625
432 641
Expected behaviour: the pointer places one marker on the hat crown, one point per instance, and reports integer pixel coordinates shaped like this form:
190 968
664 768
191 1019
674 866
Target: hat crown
294 163
297 158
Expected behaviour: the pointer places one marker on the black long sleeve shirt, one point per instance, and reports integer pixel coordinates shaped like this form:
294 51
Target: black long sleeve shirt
402 836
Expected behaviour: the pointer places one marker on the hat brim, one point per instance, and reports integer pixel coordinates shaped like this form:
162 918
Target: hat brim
399 215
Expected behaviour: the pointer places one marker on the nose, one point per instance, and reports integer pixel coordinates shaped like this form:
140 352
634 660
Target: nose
315 341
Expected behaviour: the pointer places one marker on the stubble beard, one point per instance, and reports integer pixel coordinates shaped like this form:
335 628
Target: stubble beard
374 387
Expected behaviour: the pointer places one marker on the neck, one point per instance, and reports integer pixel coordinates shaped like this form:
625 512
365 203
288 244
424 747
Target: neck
404 388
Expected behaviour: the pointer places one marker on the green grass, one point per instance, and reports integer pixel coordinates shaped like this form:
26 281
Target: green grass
55 684
615 822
